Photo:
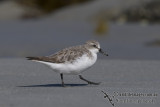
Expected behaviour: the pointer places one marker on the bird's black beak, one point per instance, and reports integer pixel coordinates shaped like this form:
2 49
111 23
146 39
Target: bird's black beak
101 51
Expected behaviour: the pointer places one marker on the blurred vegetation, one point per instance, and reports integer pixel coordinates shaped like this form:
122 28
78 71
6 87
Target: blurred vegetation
154 43
148 12
48 6
102 27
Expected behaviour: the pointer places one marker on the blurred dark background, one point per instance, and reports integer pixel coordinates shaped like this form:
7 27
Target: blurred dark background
126 29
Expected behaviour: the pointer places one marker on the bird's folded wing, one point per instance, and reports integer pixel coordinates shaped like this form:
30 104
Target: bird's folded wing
65 55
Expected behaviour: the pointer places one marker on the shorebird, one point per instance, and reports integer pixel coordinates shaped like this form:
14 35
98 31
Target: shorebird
72 60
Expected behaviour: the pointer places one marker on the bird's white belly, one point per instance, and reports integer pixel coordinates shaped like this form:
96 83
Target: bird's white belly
75 67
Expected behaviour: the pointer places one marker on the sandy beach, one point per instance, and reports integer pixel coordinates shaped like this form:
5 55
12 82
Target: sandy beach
24 83
129 76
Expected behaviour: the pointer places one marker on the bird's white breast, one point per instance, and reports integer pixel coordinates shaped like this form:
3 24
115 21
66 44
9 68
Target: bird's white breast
76 67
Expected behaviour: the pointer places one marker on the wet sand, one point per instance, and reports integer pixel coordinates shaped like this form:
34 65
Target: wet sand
127 82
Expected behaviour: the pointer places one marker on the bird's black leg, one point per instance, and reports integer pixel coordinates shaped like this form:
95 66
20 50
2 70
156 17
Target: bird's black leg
62 79
89 82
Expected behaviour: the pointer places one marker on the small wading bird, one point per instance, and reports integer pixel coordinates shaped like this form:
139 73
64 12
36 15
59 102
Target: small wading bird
72 60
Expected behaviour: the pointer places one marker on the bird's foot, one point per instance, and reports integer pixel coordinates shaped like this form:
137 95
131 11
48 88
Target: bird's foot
94 83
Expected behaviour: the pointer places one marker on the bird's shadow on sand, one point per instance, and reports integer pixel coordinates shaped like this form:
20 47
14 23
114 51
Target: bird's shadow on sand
55 85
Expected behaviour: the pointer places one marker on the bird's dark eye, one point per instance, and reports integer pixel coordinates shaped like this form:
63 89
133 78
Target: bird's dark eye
94 46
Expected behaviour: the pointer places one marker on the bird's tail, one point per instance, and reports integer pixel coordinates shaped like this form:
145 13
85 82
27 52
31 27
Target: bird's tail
33 58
